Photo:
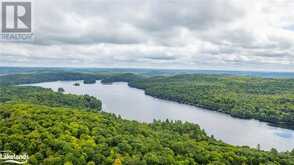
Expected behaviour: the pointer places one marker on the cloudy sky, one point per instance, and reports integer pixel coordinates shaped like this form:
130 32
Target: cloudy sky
198 34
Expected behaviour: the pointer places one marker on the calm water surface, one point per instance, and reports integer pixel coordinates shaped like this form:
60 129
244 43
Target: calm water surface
133 104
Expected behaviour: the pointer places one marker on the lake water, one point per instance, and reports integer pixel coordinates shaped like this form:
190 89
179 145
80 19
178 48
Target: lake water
133 104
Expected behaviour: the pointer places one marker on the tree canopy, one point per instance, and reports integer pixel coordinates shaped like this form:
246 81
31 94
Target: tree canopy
56 128
270 100
74 136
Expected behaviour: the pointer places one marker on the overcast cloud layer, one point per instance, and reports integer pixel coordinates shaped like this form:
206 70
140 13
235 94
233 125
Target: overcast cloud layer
200 34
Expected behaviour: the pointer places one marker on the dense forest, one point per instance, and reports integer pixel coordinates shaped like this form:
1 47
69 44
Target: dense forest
62 135
123 77
265 99
47 97
26 78
56 128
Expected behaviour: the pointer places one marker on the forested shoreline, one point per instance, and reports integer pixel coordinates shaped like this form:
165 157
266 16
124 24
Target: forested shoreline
265 99
270 100
57 128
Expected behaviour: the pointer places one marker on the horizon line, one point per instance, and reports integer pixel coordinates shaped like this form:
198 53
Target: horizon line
148 68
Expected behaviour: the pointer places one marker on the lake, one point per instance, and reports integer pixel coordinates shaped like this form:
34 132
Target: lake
133 104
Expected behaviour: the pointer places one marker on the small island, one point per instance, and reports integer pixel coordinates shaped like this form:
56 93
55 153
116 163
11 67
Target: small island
90 81
60 90
76 84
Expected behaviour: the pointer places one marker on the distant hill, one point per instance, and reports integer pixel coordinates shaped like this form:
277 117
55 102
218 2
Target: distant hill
146 72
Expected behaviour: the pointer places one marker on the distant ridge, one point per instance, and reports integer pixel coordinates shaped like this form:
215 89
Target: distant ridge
145 71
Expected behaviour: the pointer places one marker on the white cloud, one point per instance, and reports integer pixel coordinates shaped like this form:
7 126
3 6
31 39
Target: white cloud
215 34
